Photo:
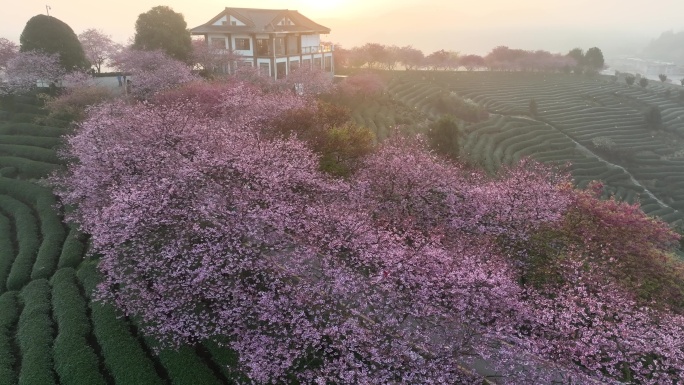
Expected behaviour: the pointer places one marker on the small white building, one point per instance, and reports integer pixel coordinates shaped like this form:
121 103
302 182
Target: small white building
276 41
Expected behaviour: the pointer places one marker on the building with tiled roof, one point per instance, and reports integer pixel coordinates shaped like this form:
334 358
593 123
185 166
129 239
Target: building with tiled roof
274 40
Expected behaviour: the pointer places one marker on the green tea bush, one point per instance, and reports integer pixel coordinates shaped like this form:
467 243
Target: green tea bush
31 129
73 249
35 141
185 367
123 355
6 250
30 152
34 334
28 240
8 172
27 168
53 233
25 108
75 360
9 314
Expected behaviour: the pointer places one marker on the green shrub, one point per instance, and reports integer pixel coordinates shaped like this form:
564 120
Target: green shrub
75 360
35 141
53 233
8 172
27 168
30 152
185 367
465 109
9 315
73 249
227 360
31 129
6 251
34 334
444 136
22 118
25 108
124 357
28 240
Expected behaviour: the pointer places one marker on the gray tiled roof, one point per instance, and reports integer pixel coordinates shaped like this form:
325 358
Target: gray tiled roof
261 21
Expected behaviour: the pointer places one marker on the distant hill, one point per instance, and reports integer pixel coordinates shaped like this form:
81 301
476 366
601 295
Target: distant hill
669 47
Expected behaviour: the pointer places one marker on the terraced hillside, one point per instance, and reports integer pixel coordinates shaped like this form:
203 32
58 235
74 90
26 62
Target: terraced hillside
50 330
595 123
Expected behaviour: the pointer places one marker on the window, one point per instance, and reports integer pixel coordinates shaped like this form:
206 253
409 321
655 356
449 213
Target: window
292 45
217 42
233 22
265 68
263 47
317 62
281 69
280 46
294 64
242 44
328 64
306 63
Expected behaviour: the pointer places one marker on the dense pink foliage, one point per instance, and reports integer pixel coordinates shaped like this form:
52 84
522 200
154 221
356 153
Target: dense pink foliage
362 84
309 81
8 50
27 69
209 229
213 60
152 71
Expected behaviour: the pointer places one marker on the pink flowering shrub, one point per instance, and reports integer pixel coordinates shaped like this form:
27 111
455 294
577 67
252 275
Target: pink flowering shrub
8 50
152 71
212 225
26 70
362 84
308 81
79 91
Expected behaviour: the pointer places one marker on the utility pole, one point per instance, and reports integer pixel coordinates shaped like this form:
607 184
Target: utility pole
47 8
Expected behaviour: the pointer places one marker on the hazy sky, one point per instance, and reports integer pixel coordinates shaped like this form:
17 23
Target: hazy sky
465 26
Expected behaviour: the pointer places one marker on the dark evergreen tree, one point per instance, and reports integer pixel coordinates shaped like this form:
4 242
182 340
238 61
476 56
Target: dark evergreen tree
593 59
653 117
162 28
533 108
578 55
630 80
51 35
444 136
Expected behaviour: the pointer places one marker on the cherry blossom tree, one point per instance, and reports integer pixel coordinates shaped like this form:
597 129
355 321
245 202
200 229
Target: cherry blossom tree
8 50
411 58
308 81
152 71
99 48
79 91
212 61
27 70
362 84
211 225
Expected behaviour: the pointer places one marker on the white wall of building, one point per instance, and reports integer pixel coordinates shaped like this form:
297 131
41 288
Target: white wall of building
311 40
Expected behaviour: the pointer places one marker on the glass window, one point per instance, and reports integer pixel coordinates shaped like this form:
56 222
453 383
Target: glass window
218 42
263 47
265 68
242 44
280 46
